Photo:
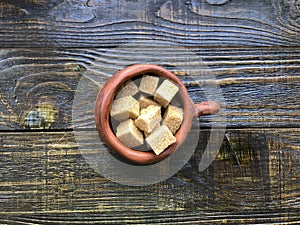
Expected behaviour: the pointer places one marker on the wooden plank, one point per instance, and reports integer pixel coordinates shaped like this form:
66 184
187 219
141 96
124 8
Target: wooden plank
260 86
182 217
95 23
254 179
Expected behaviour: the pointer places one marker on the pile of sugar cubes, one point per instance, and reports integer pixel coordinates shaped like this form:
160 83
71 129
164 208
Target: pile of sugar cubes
143 113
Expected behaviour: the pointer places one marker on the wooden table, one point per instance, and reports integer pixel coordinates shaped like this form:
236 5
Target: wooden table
251 49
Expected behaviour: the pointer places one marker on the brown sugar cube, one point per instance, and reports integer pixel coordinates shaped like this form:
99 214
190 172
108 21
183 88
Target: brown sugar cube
146 101
149 118
129 88
149 84
160 139
165 93
173 118
125 108
129 134
146 134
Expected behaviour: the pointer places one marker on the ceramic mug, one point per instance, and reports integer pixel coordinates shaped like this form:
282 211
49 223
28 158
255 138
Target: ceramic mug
106 96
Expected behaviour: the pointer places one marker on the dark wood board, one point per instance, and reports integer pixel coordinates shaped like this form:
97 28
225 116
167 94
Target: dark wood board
54 57
260 86
94 23
254 179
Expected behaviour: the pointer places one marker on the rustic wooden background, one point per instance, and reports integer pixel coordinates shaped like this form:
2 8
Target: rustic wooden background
252 48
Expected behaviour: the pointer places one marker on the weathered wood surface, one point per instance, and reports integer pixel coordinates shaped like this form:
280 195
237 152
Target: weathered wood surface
91 23
260 86
250 49
45 179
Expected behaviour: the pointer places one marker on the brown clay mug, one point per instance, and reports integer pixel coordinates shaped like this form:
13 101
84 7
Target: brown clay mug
105 98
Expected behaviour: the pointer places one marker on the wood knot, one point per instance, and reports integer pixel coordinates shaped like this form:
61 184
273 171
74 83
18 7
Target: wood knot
217 2
74 11
42 117
298 8
294 9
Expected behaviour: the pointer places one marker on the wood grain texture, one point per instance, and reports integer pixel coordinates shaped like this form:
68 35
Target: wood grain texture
255 179
260 86
94 23
54 57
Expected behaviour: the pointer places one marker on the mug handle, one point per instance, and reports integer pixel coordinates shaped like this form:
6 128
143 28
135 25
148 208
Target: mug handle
207 108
